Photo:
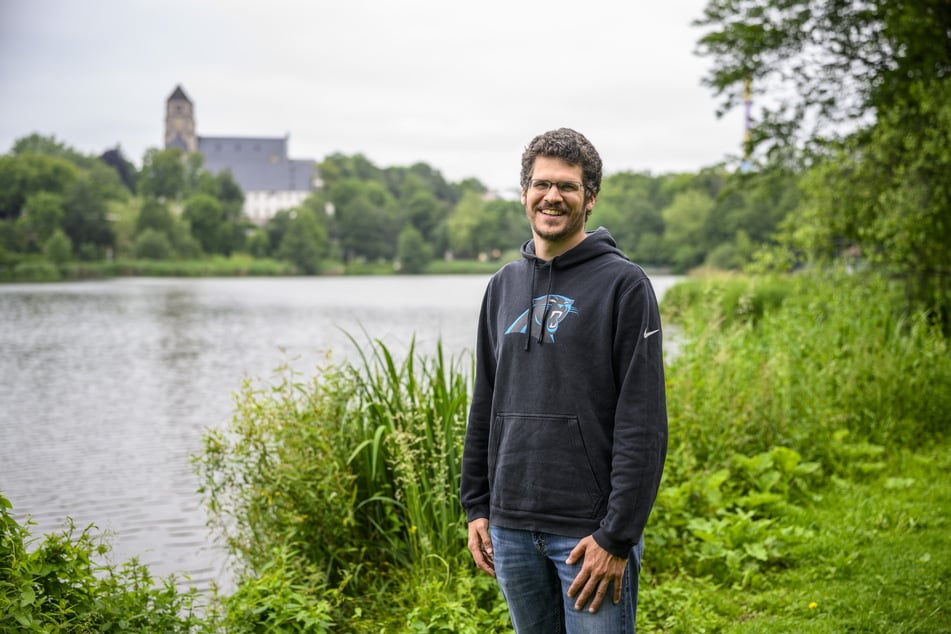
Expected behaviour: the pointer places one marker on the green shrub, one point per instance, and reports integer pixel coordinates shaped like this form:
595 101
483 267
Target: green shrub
35 270
152 244
60 586
731 524
282 598
58 248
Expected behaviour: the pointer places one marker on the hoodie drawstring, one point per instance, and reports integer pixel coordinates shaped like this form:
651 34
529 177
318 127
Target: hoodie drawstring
541 328
531 310
531 307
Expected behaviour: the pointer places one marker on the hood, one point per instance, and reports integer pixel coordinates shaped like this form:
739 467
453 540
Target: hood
597 243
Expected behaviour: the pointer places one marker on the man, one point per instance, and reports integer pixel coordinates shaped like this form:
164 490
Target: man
567 431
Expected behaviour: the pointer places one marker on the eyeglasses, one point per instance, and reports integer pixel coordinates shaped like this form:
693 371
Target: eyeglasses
542 186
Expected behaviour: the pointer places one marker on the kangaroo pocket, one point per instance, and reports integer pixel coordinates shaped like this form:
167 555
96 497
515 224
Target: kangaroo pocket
539 465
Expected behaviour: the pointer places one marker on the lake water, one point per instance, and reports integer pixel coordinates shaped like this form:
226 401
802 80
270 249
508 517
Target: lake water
106 387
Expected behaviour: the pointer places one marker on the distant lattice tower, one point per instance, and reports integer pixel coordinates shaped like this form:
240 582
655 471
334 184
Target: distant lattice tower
180 122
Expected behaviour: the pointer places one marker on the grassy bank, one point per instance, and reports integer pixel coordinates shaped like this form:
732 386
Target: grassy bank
41 270
805 490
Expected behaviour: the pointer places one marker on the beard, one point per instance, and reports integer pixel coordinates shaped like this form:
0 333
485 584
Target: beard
571 223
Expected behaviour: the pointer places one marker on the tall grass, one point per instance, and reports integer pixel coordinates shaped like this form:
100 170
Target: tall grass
802 360
409 421
355 472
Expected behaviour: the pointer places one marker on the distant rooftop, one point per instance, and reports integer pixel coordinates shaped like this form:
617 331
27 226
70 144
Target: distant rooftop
179 94
257 163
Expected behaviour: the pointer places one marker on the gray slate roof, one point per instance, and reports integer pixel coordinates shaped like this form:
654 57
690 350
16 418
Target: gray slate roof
257 163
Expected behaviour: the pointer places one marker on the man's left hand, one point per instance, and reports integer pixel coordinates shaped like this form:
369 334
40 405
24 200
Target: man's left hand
599 570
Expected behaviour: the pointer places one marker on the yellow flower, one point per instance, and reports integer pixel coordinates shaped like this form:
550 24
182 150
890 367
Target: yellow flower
813 605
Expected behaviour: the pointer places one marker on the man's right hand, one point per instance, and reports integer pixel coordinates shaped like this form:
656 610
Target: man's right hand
480 545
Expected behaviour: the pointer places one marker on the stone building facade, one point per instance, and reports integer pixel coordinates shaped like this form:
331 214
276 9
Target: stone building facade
269 179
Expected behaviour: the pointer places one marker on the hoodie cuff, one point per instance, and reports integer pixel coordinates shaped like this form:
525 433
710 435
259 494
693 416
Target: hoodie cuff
620 549
477 512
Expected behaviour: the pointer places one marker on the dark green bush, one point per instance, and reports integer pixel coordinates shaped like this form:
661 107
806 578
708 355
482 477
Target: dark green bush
62 586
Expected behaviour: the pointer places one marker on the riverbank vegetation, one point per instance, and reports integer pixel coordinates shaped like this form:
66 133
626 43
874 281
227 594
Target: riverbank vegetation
805 489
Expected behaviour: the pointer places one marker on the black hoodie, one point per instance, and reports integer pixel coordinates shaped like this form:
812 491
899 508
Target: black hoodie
567 430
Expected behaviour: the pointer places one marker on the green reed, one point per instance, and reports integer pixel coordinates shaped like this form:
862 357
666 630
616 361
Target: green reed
408 422
357 469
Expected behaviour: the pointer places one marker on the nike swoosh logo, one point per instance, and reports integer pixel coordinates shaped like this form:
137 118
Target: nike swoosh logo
648 333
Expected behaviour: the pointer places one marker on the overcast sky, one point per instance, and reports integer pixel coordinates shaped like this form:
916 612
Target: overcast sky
462 86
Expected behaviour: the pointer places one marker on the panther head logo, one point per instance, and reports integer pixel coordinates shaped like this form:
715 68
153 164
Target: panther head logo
558 307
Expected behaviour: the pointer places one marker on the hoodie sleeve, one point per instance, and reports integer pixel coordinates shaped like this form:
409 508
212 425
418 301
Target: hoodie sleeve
640 422
474 483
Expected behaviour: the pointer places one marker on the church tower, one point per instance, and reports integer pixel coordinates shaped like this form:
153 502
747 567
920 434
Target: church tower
180 122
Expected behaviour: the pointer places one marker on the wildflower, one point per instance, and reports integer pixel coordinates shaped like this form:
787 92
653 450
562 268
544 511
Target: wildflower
813 605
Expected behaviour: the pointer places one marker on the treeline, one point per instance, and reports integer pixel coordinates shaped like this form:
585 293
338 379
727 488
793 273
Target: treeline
58 206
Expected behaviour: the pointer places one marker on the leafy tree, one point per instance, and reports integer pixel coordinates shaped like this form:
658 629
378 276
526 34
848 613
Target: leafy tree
163 174
153 245
404 182
49 146
26 174
42 215
276 228
821 66
630 205
365 219
229 193
154 215
197 180
184 244
58 248
463 224
413 252
424 211
685 220
305 242
204 216
258 244
338 167
896 214
865 87
502 227
748 209
86 220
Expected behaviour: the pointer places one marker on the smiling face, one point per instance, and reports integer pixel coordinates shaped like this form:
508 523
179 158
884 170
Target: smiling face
557 217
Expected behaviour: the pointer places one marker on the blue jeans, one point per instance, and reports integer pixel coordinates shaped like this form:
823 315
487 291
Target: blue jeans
531 570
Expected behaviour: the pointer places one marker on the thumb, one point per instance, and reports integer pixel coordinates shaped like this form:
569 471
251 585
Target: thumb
576 553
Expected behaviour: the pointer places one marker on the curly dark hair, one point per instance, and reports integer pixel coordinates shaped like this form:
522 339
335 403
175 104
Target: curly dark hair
569 146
